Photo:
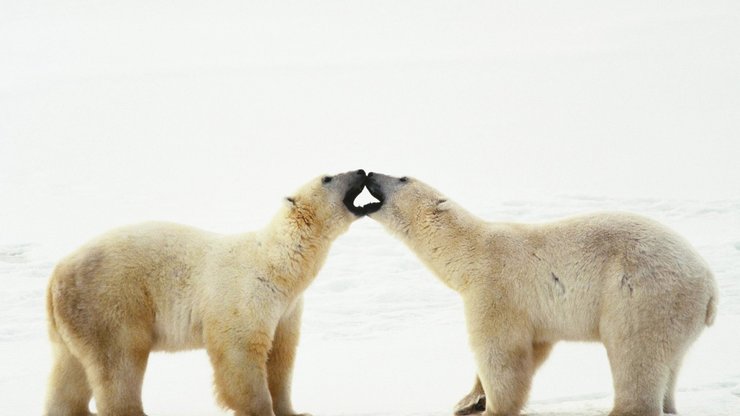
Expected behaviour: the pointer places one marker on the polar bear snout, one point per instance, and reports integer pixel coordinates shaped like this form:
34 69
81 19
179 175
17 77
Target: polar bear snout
355 184
374 185
383 187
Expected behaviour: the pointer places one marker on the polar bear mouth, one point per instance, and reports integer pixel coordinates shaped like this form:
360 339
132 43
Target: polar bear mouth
372 207
375 191
350 199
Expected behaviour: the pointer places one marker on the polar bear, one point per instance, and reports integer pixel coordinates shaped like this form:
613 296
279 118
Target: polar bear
616 278
168 287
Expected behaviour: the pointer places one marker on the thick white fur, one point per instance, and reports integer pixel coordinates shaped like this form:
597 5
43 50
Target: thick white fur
617 278
168 287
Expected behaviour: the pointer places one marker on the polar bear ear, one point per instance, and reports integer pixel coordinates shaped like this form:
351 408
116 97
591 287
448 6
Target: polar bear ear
442 204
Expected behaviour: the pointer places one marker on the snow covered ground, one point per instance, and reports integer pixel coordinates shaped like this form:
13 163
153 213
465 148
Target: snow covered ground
208 113
382 337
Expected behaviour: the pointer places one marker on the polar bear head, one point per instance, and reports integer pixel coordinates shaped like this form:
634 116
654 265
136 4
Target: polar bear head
406 205
325 205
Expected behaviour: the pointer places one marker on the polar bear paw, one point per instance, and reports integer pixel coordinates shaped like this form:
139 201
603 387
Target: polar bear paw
471 404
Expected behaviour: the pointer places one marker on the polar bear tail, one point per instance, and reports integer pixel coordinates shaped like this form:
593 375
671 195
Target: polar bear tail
711 310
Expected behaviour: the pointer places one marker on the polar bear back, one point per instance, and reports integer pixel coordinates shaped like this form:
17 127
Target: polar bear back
572 276
146 276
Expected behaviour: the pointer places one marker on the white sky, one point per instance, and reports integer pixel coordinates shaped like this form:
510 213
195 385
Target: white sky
115 112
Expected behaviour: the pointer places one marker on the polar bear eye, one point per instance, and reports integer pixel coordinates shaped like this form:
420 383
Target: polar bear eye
404 179
326 179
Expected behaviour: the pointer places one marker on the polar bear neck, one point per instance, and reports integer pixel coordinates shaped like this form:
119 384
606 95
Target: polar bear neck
448 242
299 247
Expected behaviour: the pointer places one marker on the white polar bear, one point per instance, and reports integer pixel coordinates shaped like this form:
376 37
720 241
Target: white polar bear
616 278
169 287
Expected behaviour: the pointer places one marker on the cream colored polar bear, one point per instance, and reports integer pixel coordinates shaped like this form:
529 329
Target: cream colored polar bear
170 287
620 279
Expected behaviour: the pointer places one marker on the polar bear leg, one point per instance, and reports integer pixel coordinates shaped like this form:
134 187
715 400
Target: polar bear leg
69 392
540 352
281 359
475 401
505 370
669 403
116 376
239 360
640 377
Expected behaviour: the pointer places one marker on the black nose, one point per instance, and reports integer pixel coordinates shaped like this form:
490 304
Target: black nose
360 172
